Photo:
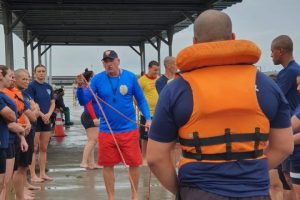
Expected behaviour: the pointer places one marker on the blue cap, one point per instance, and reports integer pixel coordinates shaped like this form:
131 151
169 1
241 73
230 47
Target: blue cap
109 54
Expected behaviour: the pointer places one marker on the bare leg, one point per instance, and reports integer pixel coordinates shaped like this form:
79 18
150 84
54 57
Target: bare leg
18 179
297 191
34 177
92 134
144 150
1 181
8 175
44 140
109 180
289 194
276 189
135 174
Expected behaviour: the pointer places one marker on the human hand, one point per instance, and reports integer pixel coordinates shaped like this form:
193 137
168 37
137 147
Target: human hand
147 125
23 144
96 122
46 118
79 80
27 128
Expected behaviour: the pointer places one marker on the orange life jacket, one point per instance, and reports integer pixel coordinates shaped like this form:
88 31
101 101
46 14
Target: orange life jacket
17 96
227 123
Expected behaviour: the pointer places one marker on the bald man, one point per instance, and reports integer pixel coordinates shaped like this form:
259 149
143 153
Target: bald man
223 111
282 54
169 75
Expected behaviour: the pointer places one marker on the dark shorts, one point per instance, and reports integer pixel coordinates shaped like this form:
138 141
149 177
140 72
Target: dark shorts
41 126
108 154
284 167
25 158
87 121
188 193
143 133
2 160
10 151
295 168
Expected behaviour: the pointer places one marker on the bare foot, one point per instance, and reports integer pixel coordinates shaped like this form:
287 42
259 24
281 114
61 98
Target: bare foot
46 178
144 163
37 180
32 187
82 165
94 166
28 195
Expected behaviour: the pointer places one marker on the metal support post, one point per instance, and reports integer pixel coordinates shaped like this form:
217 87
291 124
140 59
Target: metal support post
25 37
8 37
158 53
50 66
39 55
170 33
32 60
143 60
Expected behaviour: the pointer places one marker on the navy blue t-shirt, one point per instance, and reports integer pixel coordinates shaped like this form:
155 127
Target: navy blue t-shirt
3 125
160 83
246 178
42 94
287 82
27 99
11 104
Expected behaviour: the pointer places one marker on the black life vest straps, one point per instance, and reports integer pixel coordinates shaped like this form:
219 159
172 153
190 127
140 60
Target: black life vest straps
227 138
223 156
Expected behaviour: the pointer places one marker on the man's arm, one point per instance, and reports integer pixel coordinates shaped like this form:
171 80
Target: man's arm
280 146
8 114
161 164
16 128
297 138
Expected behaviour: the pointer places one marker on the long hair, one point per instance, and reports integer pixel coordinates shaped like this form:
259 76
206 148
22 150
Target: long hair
88 74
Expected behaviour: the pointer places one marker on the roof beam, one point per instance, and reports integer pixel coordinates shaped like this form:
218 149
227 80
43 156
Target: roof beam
45 50
31 39
15 23
108 6
39 43
134 49
95 27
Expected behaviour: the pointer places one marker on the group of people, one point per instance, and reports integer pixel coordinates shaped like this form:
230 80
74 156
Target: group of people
25 110
232 122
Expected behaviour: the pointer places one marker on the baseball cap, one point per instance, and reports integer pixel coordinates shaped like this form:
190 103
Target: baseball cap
109 54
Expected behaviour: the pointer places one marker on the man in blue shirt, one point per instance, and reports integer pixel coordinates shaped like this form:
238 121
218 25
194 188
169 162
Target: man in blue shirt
211 168
170 73
282 54
117 87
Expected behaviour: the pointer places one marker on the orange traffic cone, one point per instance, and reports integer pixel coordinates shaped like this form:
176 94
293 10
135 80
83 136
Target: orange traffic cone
59 128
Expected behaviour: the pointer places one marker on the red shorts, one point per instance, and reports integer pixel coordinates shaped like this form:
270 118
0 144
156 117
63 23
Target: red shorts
108 154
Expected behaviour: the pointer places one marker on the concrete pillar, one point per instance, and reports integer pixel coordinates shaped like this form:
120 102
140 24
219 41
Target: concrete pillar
8 37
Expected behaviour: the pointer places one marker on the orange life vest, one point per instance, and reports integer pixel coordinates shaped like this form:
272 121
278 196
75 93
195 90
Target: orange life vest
227 123
17 96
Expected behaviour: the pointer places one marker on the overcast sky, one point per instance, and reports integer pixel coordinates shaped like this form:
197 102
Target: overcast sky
256 20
